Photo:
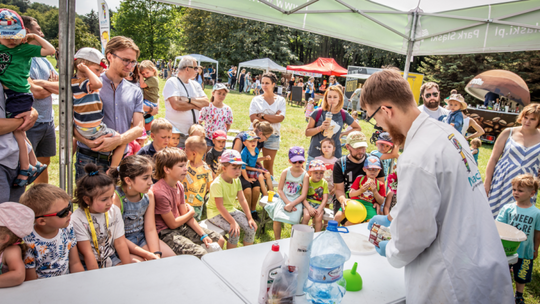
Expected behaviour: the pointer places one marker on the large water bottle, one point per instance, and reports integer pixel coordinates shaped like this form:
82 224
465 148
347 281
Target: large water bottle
325 284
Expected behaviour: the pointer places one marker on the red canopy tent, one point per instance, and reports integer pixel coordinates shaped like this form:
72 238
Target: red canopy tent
325 66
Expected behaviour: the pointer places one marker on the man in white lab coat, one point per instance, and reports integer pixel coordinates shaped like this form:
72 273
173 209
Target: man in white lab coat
442 228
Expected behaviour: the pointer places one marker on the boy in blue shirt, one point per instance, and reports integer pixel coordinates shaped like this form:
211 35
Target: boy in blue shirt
253 172
526 217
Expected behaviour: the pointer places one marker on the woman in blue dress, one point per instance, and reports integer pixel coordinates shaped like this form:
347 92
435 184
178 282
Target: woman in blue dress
520 150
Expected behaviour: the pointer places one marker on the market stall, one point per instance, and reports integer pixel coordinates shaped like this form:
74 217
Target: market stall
199 58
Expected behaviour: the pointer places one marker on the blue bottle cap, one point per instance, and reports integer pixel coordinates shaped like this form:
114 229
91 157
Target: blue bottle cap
332 226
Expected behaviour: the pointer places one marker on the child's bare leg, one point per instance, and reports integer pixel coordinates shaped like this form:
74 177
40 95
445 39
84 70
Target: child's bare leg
277 230
166 250
318 222
117 157
31 156
340 216
231 246
255 192
247 195
260 178
24 160
520 287
306 217
268 178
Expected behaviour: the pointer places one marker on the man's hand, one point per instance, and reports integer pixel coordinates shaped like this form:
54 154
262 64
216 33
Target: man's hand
382 220
29 119
107 143
381 249
53 77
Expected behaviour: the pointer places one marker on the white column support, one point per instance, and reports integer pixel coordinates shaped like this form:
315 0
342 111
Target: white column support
410 45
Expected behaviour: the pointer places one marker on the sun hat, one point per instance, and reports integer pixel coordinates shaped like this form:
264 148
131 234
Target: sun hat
17 217
250 135
317 165
11 25
385 138
219 134
460 99
372 162
356 139
231 156
175 130
91 55
296 154
219 86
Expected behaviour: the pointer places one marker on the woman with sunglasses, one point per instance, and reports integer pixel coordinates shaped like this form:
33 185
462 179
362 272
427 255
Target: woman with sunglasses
332 103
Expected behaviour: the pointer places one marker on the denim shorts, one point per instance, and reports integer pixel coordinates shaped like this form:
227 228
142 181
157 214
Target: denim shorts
272 143
137 238
209 142
82 160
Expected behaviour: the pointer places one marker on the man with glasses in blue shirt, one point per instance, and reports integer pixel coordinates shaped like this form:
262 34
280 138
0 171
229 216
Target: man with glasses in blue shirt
432 100
122 107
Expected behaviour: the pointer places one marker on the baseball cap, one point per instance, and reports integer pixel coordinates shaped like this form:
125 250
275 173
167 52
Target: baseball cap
91 55
175 130
296 154
219 86
219 134
385 138
372 162
11 25
317 165
356 139
231 156
250 135
17 217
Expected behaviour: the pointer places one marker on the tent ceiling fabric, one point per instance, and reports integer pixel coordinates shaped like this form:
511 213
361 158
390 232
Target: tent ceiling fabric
325 66
452 27
262 64
200 58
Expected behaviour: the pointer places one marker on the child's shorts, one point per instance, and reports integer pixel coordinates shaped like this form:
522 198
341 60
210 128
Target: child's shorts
17 103
209 142
371 211
255 174
316 206
198 212
184 240
248 185
95 133
137 238
522 271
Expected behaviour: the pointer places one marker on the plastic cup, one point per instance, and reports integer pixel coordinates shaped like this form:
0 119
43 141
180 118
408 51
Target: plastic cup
271 195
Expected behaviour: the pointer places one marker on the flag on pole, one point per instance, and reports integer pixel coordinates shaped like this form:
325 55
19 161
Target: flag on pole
104 22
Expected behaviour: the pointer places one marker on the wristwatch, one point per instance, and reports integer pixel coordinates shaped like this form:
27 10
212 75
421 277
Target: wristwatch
189 100
262 116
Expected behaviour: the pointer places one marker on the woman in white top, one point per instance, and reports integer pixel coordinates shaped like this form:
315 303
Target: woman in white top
269 107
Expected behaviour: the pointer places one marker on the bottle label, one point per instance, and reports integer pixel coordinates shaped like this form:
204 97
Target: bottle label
272 274
325 275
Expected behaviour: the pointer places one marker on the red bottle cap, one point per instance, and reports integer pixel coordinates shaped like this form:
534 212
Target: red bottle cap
275 247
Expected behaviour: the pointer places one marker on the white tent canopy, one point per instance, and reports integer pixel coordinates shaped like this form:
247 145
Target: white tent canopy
265 64
409 27
199 58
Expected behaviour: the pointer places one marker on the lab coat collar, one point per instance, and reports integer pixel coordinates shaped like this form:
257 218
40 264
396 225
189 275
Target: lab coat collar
417 123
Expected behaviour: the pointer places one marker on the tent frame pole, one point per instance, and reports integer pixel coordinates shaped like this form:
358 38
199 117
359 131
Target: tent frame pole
410 45
66 40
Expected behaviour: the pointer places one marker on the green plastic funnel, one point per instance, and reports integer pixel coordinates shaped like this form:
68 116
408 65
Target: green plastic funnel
353 279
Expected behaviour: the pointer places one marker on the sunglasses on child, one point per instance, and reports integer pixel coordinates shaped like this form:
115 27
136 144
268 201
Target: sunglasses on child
298 162
428 95
61 214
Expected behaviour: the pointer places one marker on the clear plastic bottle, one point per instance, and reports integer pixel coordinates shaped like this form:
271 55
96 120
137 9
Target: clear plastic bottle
325 284
330 131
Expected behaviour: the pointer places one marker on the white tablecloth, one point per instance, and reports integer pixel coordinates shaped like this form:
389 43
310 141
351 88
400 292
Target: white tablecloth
181 279
241 268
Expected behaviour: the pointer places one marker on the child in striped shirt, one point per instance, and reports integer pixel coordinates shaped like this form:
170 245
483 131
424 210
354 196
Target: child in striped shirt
87 106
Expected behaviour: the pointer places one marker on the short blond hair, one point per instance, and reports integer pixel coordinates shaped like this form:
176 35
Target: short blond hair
148 65
168 157
118 43
41 197
476 142
196 143
531 109
325 105
160 124
526 181
194 128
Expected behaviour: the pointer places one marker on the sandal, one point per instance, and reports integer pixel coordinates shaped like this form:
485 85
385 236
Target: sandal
23 182
39 169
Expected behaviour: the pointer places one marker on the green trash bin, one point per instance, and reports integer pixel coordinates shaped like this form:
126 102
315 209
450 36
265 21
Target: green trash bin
511 237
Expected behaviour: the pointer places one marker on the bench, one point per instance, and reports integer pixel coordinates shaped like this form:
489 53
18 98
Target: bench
265 219
206 224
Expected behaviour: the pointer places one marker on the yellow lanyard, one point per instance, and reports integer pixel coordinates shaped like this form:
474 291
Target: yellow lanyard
93 230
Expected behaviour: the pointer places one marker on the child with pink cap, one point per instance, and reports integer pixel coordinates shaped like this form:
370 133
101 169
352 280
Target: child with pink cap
16 222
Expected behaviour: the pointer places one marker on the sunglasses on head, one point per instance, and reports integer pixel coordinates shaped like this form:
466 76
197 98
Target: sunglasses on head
428 95
61 214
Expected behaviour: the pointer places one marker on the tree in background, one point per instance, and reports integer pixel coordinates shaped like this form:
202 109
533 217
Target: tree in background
154 26
92 22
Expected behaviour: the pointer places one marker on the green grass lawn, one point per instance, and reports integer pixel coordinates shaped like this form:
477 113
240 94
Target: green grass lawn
292 134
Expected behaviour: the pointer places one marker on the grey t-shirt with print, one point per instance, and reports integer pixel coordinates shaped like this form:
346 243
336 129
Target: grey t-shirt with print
337 123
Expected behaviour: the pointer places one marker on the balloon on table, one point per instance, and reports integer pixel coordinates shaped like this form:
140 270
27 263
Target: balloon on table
355 212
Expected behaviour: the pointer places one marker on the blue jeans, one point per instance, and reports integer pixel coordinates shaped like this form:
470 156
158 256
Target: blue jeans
83 160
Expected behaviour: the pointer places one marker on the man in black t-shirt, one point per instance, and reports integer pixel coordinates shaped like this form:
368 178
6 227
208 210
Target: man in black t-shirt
354 165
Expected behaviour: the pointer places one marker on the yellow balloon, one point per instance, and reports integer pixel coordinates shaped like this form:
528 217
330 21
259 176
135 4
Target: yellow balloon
355 212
